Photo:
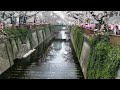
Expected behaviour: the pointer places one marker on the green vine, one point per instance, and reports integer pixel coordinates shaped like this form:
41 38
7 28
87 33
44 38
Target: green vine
16 33
78 40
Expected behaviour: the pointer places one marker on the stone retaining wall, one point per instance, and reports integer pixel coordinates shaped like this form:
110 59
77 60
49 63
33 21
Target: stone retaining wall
11 49
84 54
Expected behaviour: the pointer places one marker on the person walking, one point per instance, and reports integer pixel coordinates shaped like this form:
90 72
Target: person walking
115 30
119 29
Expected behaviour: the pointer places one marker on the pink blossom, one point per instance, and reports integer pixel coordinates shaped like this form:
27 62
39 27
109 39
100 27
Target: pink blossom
119 27
1 26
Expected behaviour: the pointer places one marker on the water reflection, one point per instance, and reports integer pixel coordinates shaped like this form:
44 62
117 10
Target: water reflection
57 64
57 46
63 35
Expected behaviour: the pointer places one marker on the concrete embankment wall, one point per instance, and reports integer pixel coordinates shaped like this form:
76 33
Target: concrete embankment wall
10 49
84 57
83 54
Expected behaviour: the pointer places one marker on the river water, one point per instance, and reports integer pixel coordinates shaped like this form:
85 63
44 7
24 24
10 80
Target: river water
59 62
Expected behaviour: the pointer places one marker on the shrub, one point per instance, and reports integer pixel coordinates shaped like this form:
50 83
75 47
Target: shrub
21 33
104 59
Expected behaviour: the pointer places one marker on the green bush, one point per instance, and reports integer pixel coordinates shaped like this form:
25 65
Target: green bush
21 33
104 59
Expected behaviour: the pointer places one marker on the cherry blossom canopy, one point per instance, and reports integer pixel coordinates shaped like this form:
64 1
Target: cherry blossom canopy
58 17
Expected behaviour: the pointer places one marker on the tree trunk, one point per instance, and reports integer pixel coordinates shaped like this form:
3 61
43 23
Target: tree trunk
20 20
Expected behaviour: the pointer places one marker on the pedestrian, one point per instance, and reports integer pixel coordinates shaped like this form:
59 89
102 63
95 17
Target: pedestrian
115 30
119 29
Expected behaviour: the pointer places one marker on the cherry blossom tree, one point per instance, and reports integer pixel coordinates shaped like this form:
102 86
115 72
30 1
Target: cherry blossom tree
103 17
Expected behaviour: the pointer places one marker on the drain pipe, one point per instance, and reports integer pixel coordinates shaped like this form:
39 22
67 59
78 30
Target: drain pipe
28 53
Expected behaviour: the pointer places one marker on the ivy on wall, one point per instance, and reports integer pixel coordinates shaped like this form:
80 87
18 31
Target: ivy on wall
23 33
78 40
16 33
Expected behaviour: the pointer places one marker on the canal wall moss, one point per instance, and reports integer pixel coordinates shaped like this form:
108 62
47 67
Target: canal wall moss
99 59
77 39
17 44
81 46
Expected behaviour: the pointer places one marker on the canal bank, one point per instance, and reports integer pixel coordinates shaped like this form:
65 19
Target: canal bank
98 56
81 47
12 48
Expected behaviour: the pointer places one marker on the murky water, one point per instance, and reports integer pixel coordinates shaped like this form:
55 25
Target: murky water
59 62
